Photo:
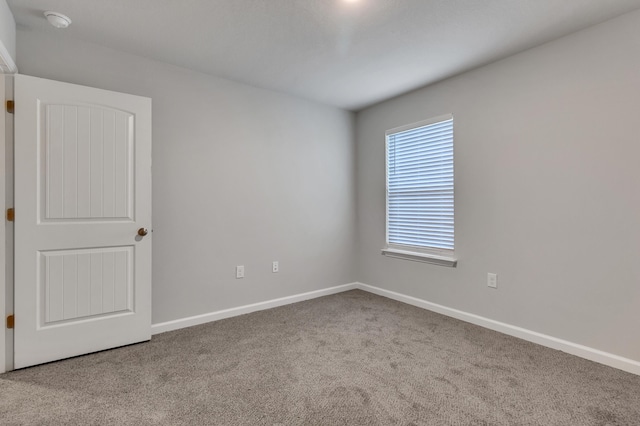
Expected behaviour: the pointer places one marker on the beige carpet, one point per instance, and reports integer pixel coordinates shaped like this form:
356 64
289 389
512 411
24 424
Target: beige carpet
348 359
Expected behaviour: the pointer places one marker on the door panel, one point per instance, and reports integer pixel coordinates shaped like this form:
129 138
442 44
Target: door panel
82 283
82 190
91 179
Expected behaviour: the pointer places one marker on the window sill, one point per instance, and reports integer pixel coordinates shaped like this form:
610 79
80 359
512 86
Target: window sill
434 259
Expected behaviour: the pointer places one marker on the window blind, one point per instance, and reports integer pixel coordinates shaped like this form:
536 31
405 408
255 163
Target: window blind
420 208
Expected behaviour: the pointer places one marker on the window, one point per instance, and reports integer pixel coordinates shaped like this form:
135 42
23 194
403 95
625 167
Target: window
420 207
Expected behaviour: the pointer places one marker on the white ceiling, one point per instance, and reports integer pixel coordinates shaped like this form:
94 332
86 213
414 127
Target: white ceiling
349 54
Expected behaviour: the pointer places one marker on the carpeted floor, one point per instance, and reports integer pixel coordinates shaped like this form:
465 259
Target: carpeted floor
349 359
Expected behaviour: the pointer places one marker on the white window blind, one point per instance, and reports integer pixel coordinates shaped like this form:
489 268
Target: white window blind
420 208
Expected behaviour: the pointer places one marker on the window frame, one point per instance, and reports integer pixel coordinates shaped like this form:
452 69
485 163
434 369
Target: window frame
433 255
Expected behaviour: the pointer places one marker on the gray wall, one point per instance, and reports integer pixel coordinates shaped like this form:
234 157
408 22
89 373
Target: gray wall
547 163
241 176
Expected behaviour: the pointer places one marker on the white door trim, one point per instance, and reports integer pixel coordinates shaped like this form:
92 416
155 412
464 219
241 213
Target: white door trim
7 64
2 229
6 231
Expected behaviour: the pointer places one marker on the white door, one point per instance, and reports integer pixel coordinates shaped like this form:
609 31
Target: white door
82 196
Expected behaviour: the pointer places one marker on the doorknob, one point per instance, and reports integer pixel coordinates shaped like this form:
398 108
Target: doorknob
142 232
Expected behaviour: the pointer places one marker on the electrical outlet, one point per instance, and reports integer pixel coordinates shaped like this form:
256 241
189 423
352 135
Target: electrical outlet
240 271
492 280
275 267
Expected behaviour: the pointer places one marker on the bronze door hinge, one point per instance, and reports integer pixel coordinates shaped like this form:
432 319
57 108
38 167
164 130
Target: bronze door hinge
10 106
10 321
11 215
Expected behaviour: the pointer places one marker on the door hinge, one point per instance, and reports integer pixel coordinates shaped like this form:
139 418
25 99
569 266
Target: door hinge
10 106
10 321
11 215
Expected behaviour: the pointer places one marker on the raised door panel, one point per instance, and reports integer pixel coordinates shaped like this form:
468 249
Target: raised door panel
87 154
76 284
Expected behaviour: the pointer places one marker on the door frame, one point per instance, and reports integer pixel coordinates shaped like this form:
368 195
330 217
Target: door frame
6 231
3 204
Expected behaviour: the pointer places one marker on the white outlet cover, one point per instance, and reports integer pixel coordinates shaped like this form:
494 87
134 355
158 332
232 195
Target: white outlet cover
492 280
240 271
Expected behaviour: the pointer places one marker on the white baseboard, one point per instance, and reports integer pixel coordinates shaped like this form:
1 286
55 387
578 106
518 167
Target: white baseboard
586 352
241 310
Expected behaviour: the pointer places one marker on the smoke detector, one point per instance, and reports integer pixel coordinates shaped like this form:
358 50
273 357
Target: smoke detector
58 20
